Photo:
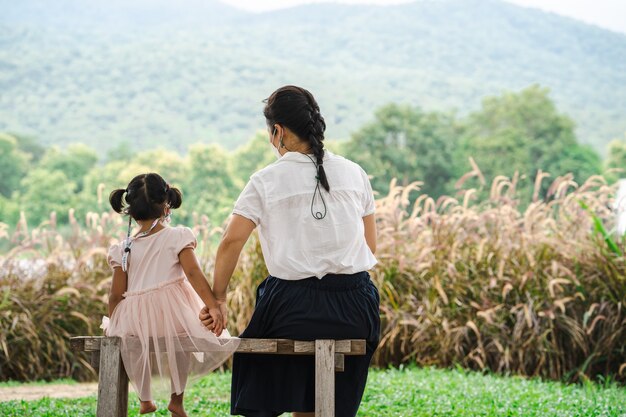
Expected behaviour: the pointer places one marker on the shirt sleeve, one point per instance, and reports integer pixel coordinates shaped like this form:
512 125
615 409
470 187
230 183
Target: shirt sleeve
250 202
369 205
186 239
114 258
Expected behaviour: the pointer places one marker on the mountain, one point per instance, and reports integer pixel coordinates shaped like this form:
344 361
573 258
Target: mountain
157 72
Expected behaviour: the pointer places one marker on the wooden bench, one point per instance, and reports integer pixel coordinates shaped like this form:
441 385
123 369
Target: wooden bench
113 381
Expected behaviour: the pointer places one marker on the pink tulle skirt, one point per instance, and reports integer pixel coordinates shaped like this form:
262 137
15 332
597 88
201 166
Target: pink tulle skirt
164 341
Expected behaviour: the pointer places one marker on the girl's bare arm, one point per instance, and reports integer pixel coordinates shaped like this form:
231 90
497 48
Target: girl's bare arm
118 287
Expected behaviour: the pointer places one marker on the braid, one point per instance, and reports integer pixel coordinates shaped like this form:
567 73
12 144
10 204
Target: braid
316 128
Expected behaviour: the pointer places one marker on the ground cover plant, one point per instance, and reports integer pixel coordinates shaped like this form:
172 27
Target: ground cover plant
406 392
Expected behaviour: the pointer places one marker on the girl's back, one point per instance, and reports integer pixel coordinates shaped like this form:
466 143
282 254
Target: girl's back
154 258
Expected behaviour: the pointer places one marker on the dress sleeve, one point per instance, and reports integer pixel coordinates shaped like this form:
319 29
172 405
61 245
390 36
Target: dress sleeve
369 205
114 258
186 239
250 202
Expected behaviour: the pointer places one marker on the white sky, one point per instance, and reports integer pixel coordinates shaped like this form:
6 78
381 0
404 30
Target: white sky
610 14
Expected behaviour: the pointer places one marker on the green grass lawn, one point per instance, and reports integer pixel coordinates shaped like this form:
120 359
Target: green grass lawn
399 393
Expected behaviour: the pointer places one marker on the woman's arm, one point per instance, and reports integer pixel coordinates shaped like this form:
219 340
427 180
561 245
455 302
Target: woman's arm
235 237
198 281
118 287
369 222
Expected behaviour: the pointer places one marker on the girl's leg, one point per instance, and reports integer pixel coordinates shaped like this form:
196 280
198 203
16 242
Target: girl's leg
176 406
143 385
146 407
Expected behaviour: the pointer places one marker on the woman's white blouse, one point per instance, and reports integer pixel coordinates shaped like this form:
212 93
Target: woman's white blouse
295 244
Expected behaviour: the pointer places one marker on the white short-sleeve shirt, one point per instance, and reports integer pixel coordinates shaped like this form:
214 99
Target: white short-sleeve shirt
295 244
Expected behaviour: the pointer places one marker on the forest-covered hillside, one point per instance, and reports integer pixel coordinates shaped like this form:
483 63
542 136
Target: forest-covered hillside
151 73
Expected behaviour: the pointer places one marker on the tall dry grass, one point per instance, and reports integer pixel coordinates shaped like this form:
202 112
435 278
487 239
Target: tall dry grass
492 284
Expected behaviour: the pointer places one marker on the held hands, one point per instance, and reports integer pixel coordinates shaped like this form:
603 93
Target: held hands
214 319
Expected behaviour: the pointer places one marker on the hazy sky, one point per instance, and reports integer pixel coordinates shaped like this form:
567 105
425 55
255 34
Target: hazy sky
610 14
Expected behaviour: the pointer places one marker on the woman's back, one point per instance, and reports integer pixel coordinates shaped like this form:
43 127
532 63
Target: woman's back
306 233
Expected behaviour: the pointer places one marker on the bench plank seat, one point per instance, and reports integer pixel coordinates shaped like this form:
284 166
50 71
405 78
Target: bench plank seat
113 381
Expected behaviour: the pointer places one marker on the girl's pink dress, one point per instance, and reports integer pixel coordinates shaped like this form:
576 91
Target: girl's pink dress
158 317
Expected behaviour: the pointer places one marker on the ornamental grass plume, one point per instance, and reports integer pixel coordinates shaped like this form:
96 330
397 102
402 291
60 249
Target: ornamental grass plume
532 288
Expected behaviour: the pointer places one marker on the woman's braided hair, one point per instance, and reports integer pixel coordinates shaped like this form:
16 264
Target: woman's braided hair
296 108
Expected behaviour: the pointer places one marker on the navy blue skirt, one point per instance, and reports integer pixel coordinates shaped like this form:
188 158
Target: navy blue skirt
335 307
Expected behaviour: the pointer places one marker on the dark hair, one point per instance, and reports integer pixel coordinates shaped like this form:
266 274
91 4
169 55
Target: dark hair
146 196
296 108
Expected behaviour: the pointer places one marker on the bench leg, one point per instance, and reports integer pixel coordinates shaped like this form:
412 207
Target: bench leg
324 378
112 381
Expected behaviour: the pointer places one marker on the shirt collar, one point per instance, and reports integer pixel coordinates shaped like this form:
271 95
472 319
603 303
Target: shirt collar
299 157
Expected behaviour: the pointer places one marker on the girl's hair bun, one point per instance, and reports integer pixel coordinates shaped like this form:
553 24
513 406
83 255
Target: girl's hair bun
146 197
174 197
115 199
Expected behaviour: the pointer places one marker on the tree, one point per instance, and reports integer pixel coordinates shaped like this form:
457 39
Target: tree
43 192
210 186
524 132
616 159
406 143
13 164
75 162
30 146
251 157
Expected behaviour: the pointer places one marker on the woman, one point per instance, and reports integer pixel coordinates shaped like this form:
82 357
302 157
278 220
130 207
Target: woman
315 215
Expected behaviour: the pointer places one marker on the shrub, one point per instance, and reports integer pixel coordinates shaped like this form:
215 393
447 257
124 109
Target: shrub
536 289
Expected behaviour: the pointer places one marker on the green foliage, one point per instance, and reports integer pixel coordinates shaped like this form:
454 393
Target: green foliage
107 74
75 162
251 157
407 392
405 143
31 146
523 132
515 132
599 228
43 192
13 163
616 159
212 191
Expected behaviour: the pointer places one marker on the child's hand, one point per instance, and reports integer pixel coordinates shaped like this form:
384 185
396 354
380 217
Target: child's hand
206 318
218 320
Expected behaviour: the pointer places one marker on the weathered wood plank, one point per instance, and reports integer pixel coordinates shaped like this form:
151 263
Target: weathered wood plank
112 381
85 343
93 344
324 378
339 362
357 347
269 346
94 359
258 345
77 344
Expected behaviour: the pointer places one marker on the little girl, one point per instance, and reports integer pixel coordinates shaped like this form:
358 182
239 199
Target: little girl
158 289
